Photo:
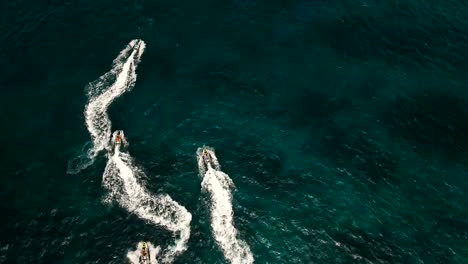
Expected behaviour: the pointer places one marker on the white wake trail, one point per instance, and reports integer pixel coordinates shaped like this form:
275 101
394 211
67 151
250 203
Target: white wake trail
218 185
101 93
121 179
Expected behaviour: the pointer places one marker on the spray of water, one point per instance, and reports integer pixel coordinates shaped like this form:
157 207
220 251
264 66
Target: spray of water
121 177
101 93
219 186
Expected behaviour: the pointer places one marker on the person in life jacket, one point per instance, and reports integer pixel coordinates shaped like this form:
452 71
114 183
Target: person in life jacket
118 138
206 156
144 253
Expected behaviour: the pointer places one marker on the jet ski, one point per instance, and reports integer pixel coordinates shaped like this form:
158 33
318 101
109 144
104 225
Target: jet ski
145 254
137 45
206 159
118 141
206 155
136 49
118 138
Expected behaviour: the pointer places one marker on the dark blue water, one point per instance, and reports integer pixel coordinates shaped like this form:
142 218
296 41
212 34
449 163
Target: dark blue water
343 125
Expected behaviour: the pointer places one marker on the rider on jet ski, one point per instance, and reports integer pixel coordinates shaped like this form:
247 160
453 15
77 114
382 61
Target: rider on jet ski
206 155
118 138
118 141
144 254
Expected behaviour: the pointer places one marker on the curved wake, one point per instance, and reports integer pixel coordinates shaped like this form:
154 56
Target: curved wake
101 93
120 178
219 186
120 175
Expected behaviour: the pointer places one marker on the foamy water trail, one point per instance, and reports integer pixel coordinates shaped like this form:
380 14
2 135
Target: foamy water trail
121 177
101 93
219 186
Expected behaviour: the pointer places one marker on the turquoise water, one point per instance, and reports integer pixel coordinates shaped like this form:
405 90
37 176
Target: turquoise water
341 123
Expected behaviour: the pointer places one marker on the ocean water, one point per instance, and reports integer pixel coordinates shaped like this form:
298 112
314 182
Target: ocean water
339 127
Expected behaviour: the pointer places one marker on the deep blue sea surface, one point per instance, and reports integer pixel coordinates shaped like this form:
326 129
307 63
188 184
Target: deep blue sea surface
343 125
